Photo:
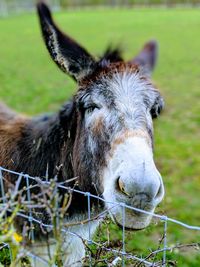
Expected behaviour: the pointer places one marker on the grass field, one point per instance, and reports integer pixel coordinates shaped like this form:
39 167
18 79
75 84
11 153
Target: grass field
31 83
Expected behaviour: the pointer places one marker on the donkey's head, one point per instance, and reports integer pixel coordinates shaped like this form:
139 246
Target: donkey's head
113 110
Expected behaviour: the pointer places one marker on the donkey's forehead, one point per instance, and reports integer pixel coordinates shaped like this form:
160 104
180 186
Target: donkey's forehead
106 71
118 82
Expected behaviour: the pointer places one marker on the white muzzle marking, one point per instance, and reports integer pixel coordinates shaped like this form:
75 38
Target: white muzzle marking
132 178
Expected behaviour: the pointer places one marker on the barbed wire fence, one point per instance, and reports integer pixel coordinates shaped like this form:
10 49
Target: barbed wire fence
20 202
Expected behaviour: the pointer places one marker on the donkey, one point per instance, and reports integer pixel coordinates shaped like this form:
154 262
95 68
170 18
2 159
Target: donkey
103 136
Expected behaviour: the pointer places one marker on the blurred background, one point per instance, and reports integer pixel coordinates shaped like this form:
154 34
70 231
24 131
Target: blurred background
31 83
17 6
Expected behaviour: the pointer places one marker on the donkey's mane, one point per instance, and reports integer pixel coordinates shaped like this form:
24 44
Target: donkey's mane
111 54
107 69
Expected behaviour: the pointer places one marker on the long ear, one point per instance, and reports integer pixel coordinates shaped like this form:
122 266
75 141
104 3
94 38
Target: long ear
147 57
67 54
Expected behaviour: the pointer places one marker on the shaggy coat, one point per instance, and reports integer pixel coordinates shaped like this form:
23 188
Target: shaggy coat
108 120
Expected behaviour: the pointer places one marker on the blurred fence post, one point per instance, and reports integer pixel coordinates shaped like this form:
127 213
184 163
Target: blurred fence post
3 8
17 7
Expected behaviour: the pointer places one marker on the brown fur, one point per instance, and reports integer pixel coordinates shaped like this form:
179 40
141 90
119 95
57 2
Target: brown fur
6 113
11 125
127 134
98 126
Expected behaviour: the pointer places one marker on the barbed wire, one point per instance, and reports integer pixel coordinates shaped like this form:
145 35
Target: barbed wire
20 202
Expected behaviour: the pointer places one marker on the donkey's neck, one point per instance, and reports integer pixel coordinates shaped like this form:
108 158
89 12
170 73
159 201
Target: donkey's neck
45 149
40 148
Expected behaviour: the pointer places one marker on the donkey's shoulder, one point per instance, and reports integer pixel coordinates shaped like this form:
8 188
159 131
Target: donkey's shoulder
11 124
6 113
11 131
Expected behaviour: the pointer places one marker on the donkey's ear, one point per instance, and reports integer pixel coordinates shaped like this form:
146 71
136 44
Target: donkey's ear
147 58
67 54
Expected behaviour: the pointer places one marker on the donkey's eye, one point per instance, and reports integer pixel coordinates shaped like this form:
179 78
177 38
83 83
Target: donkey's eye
90 109
157 108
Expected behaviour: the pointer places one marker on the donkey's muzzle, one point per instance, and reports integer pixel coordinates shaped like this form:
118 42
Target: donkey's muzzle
138 195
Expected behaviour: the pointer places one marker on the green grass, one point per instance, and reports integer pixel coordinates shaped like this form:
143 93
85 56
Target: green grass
31 83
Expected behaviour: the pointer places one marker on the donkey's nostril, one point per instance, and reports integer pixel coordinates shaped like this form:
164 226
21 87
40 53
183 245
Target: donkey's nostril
121 186
160 192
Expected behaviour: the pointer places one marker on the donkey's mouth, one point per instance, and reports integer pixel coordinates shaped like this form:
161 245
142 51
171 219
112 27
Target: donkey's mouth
131 221
128 228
